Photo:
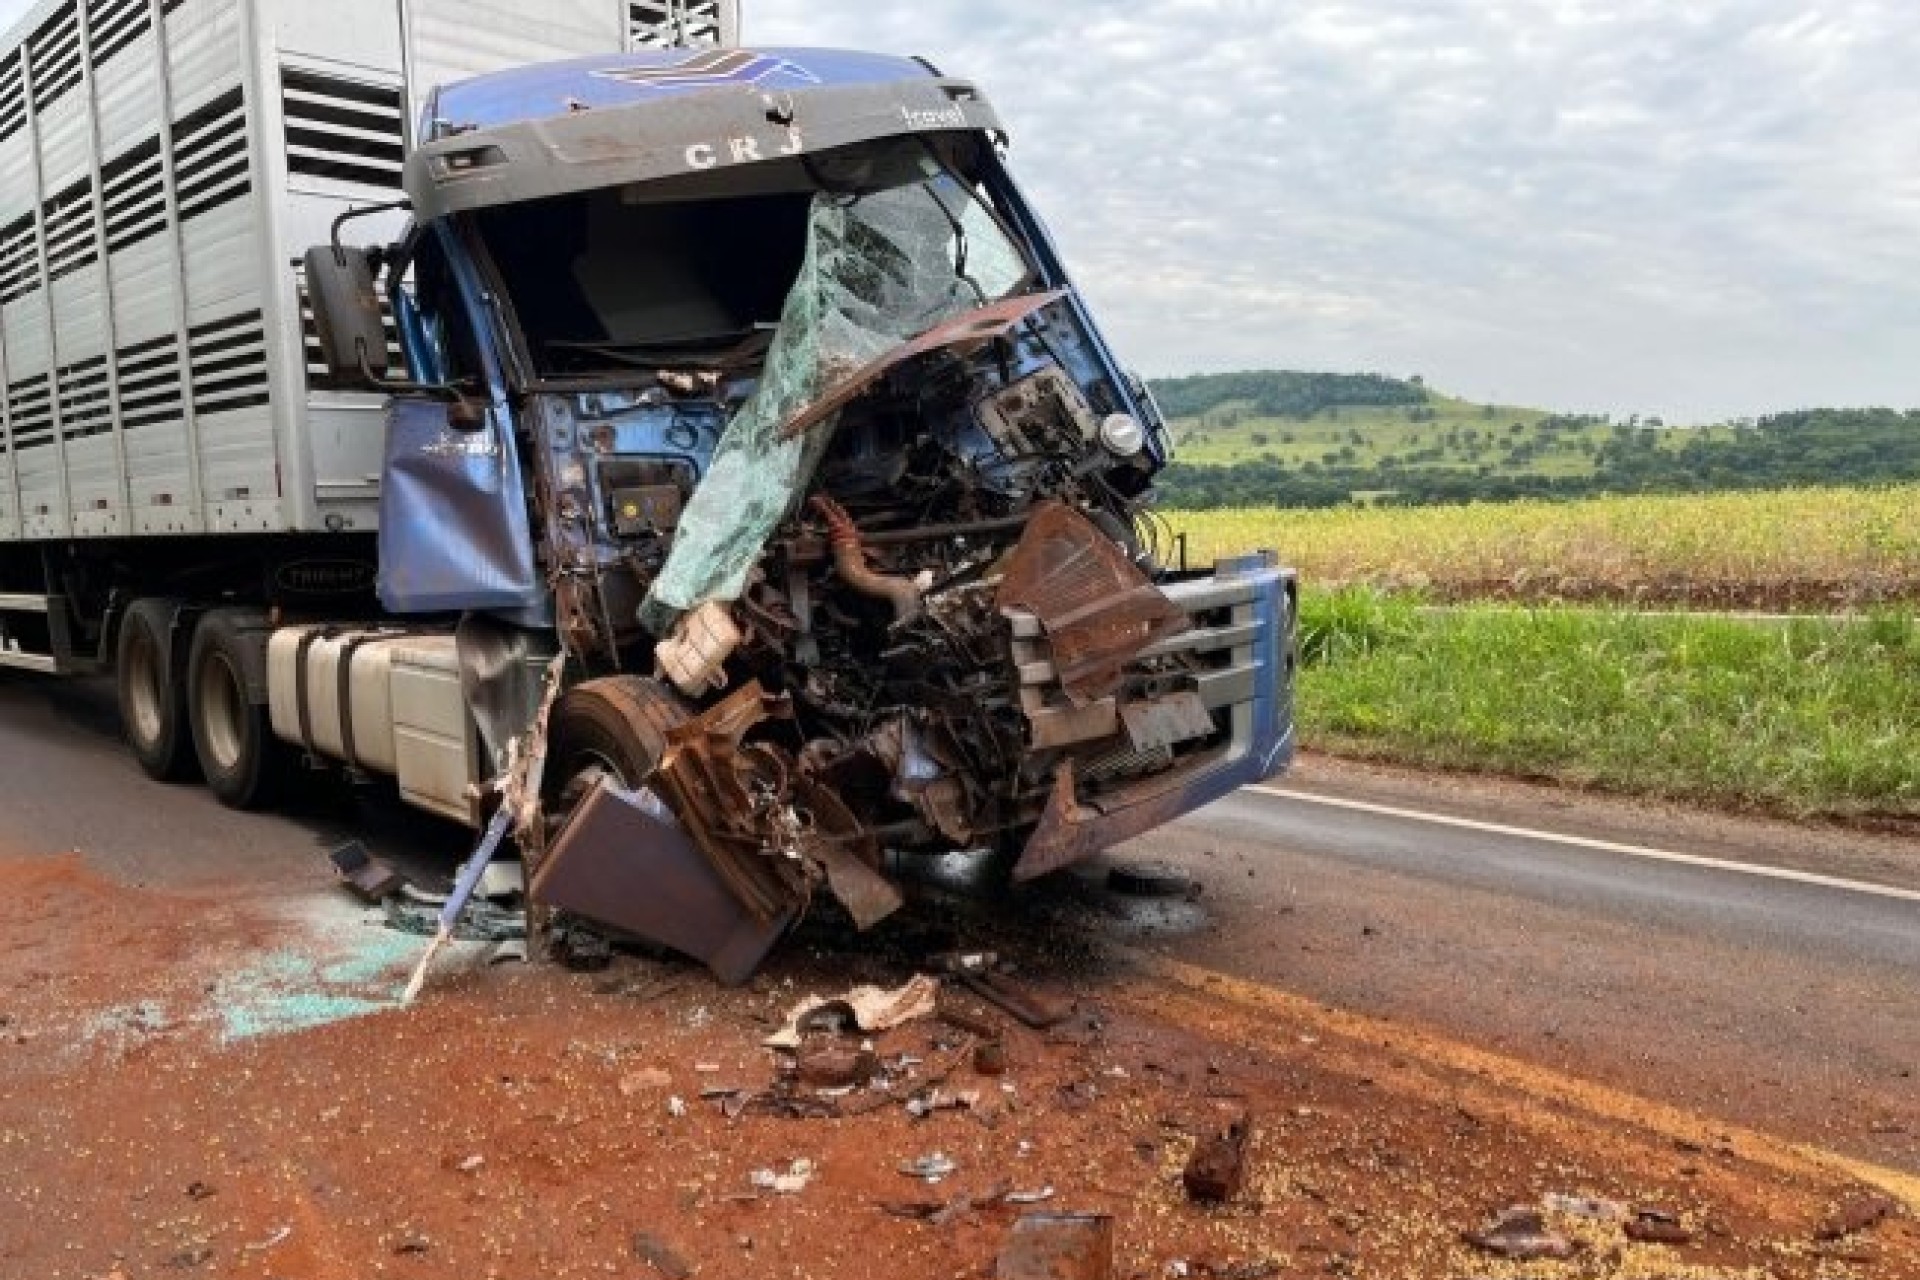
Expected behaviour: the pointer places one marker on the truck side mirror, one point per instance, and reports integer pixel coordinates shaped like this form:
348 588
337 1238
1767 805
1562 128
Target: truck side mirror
346 311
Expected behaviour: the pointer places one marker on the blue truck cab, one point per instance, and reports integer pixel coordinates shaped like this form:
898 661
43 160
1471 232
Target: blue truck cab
747 380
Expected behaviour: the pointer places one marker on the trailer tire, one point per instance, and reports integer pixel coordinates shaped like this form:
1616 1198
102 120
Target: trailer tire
616 726
153 701
244 764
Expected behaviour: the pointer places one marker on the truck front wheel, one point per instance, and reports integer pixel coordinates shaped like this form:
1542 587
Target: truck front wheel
614 728
153 704
244 764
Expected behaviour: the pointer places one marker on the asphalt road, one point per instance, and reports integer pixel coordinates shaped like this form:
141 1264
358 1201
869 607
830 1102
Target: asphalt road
1780 1004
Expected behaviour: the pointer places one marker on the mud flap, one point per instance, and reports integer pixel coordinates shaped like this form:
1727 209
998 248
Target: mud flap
618 865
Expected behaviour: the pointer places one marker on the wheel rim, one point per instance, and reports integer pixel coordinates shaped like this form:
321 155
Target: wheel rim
146 692
223 710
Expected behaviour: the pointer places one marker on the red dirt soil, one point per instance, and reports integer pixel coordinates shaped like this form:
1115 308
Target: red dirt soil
503 1128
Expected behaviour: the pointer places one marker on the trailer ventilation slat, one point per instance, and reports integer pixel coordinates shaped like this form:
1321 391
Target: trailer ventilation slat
343 130
149 377
13 97
112 25
69 222
32 404
85 408
53 53
19 265
672 24
133 196
210 155
228 360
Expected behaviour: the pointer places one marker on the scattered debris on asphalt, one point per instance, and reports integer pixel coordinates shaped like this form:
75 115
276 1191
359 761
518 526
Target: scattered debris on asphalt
930 1168
1032 1009
1520 1233
791 1183
1592 1208
1057 1246
1855 1214
1218 1167
834 1067
645 1080
660 1255
1151 880
868 1009
1656 1226
365 874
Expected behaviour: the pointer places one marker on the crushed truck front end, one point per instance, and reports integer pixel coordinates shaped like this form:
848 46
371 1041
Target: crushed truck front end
841 502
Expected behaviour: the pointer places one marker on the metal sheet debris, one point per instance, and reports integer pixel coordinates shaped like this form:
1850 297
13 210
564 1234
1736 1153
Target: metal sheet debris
617 864
365 874
1099 611
1057 1246
864 1008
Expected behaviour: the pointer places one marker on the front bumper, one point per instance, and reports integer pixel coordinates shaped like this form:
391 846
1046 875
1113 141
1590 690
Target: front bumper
1243 623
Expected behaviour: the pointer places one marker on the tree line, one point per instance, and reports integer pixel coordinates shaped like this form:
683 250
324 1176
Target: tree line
1804 447
1282 393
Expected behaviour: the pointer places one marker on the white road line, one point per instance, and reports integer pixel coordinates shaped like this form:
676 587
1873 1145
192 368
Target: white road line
1604 846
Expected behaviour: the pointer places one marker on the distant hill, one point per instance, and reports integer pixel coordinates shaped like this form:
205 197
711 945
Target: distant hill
1319 439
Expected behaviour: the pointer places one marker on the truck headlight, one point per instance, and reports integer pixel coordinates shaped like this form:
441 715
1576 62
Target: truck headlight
1122 435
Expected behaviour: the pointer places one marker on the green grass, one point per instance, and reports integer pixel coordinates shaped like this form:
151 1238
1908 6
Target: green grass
1806 719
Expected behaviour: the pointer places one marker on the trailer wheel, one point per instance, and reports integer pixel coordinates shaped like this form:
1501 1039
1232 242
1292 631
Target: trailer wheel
614 728
245 765
153 704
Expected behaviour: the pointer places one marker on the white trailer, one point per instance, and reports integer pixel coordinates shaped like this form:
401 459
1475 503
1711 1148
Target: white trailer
163 163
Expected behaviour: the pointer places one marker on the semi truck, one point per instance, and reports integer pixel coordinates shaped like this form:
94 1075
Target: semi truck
701 450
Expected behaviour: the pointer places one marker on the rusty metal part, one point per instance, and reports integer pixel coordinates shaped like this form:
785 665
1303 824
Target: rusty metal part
1218 1167
1165 721
1057 1246
618 865
1855 1214
832 837
728 795
365 874
837 1068
968 1020
965 332
1070 831
1098 610
990 1058
850 563
1029 1007
1521 1234
770 832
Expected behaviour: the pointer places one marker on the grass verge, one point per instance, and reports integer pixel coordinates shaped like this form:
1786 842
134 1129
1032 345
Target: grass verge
1806 718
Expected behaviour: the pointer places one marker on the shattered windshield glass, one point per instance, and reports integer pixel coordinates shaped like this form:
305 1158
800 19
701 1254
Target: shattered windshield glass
609 283
878 269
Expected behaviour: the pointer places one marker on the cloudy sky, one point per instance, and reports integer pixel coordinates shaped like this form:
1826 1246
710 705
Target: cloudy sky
1697 209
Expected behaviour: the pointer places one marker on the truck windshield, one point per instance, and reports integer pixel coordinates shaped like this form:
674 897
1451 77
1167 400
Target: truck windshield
606 282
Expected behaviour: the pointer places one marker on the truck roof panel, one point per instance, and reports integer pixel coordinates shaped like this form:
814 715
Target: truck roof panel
631 79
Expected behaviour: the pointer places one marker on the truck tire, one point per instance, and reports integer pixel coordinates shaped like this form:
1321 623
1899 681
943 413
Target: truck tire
616 727
244 764
153 702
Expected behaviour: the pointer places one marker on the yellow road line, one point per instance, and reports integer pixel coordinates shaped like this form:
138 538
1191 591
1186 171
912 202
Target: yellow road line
1527 1079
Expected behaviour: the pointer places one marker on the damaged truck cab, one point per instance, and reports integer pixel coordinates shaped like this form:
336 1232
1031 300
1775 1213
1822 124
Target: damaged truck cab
748 382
